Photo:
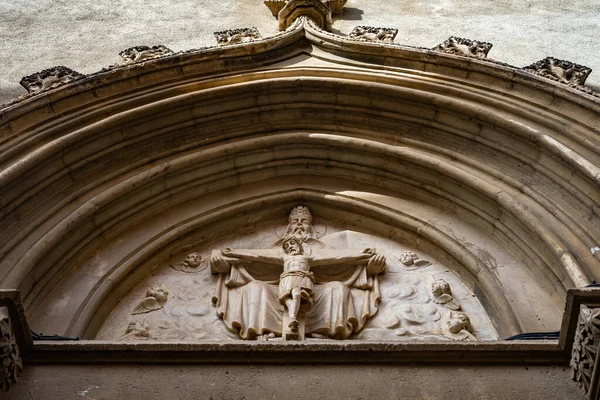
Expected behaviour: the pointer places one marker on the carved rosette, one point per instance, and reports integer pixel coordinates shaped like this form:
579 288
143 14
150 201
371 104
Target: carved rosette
237 36
464 47
565 72
372 34
49 79
585 346
12 365
143 53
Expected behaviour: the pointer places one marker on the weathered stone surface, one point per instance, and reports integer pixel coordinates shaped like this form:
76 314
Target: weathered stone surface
237 36
464 47
50 78
144 53
371 34
67 382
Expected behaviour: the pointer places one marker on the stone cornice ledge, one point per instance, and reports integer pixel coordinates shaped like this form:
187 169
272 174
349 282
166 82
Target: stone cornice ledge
314 351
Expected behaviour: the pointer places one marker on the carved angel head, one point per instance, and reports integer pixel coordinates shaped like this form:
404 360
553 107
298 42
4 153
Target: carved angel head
160 293
459 321
193 260
138 329
408 258
440 287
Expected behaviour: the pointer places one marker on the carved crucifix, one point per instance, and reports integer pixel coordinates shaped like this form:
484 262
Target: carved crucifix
296 282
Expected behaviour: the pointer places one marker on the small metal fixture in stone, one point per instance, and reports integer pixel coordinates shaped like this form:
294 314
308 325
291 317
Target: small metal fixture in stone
49 79
372 34
585 346
464 47
143 53
237 36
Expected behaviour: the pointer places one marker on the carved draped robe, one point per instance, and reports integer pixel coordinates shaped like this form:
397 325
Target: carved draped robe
346 296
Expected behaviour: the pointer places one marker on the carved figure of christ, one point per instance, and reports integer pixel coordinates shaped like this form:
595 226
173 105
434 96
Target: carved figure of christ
296 284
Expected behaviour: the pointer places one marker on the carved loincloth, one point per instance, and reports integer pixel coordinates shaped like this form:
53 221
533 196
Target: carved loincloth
296 279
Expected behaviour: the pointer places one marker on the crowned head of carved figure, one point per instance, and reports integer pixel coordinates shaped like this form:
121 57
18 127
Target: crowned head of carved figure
440 287
300 223
160 293
459 321
292 245
193 260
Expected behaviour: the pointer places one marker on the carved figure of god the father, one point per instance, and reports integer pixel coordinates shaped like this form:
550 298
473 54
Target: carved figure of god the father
338 299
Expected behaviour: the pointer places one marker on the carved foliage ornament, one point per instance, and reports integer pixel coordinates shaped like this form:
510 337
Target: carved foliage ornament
49 79
585 346
143 53
12 366
464 47
566 72
371 34
237 36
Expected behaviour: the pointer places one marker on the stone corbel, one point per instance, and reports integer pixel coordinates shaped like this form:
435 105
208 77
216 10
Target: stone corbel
49 79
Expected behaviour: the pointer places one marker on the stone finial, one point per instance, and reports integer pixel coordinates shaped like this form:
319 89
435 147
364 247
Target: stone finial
464 47
336 6
585 346
371 34
561 71
237 36
143 53
12 365
49 79
316 10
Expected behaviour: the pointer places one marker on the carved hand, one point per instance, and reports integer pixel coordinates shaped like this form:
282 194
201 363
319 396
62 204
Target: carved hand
370 251
376 264
227 250
218 264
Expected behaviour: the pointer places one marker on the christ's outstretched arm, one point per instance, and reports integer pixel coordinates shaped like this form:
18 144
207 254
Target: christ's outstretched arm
267 257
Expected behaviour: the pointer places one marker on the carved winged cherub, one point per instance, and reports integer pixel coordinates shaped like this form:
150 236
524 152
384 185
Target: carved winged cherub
442 295
459 327
137 330
156 297
193 263
411 259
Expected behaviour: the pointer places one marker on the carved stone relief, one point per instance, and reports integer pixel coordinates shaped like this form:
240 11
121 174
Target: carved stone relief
336 6
585 346
299 281
143 53
371 34
156 297
237 36
12 365
566 72
49 79
193 264
464 47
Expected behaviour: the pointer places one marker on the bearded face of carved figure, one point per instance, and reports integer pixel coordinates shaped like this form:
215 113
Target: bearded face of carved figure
193 260
292 247
300 223
458 322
